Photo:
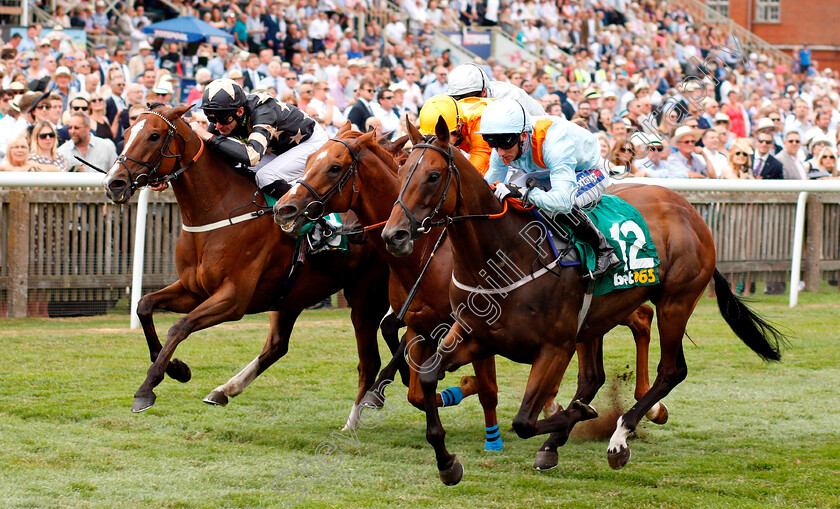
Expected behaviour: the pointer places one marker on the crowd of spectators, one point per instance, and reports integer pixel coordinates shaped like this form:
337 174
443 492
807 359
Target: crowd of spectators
666 95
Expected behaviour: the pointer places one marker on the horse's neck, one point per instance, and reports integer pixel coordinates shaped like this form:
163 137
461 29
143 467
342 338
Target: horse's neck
479 243
210 190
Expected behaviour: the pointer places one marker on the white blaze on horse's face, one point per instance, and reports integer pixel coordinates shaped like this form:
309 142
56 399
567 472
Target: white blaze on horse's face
135 130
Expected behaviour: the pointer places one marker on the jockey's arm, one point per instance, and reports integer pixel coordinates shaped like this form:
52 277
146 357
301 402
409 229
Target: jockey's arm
233 150
480 153
559 158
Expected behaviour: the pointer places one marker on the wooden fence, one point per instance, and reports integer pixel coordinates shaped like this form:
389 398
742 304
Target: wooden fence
65 252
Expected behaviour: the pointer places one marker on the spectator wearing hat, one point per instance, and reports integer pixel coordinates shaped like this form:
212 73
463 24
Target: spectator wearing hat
97 151
41 108
12 124
767 125
651 159
137 63
689 157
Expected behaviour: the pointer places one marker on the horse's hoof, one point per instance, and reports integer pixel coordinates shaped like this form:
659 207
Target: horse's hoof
216 398
588 411
545 460
452 475
178 370
372 400
661 415
143 403
620 458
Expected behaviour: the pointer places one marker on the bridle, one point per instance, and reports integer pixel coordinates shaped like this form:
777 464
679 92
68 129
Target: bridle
149 177
417 228
320 203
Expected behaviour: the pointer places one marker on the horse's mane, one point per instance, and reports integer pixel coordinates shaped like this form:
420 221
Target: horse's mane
374 146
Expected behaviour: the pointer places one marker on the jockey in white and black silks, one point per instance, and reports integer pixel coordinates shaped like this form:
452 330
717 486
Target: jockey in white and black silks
252 130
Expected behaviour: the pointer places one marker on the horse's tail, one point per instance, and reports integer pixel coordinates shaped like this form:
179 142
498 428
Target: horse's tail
754 331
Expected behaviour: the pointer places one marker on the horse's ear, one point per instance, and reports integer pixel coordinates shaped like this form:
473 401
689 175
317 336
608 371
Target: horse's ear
413 132
393 147
178 111
346 127
442 131
367 137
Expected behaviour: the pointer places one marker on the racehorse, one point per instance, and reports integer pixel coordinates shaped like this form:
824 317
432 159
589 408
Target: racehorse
234 267
356 172
537 322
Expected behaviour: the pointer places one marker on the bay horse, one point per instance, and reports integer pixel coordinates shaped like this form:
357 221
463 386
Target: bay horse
238 268
357 172
537 322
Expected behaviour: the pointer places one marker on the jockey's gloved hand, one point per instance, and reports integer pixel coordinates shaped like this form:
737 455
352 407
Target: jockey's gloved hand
503 191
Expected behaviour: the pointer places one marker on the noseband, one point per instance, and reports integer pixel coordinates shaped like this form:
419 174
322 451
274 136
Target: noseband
417 228
320 203
149 177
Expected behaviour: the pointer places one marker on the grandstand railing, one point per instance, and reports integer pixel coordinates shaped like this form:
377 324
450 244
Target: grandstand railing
751 42
63 249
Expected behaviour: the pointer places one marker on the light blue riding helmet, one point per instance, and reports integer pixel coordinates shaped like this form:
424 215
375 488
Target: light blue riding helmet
505 116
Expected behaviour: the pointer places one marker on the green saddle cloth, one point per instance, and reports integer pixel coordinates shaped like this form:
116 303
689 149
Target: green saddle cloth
626 230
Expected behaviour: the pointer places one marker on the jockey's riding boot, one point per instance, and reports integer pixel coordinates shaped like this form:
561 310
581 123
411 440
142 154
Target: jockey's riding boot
585 230
277 189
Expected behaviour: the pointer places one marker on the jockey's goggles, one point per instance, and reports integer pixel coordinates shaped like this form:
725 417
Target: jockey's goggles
220 117
502 141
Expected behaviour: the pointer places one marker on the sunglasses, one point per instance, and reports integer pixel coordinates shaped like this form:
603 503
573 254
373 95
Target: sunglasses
656 149
741 154
220 117
766 142
795 142
42 107
79 108
44 136
99 100
775 119
388 97
502 141
828 157
291 79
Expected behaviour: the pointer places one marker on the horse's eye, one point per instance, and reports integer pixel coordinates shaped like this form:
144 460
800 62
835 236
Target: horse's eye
434 176
334 169
154 137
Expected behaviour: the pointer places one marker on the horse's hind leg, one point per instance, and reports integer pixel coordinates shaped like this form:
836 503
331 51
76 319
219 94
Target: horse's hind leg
276 346
172 298
672 313
220 307
639 324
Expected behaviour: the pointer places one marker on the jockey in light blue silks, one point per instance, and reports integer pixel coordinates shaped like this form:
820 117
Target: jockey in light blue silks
561 157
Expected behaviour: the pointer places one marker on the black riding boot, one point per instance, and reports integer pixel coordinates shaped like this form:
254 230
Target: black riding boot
277 189
585 230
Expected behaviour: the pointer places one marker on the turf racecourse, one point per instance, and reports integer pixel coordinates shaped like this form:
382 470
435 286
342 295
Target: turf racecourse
741 433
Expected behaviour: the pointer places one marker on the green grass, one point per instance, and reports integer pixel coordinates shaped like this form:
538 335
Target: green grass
741 433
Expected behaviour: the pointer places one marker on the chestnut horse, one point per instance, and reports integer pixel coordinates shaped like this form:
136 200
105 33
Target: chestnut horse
355 172
537 322
238 268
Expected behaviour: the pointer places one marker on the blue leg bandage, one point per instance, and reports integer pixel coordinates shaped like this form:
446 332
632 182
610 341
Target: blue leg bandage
494 439
451 396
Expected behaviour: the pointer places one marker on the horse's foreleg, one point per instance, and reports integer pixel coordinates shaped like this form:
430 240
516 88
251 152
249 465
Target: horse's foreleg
174 298
456 350
220 307
276 346
672 314
366 318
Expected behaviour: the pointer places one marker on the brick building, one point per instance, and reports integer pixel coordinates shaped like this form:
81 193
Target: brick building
787 24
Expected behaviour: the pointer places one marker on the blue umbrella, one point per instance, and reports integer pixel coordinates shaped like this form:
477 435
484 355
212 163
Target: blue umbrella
188 29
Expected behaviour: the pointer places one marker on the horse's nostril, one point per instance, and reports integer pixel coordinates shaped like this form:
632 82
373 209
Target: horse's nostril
286 211
400 236
117 185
